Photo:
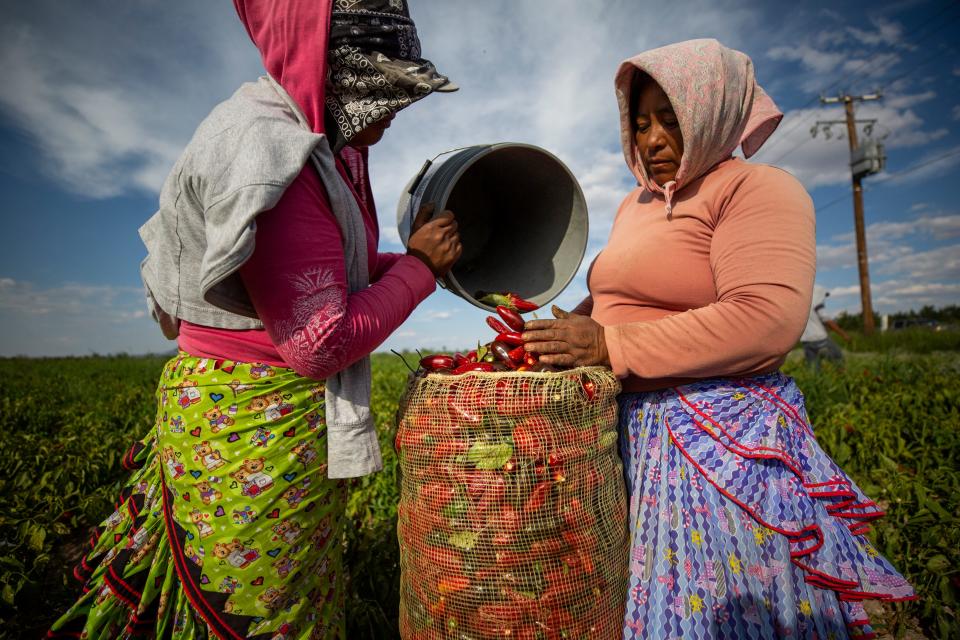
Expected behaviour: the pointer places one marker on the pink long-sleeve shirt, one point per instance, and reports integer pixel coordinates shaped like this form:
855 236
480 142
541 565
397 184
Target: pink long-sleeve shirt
719 287
296 279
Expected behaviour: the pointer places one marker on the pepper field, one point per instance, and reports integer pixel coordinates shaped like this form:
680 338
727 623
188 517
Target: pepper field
891 418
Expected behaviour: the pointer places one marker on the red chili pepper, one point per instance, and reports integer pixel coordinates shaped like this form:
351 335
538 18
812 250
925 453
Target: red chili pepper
549 548
506 558
498 620
562 587
473 366
508 521
510 300
586 562
496 325
437 361
493 494
452 583
502 351
437 495
589 388
513 397
471 357
444 558
463 407
520 304
532 437
511 317
517 354
530 359
511 337
475 481
576 516
541 367
582 542
459 359
448 449
537 497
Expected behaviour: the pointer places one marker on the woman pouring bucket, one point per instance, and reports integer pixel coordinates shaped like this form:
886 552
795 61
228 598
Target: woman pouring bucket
263 264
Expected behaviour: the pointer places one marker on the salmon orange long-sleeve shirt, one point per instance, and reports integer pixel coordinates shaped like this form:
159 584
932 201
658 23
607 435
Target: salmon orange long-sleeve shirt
720 286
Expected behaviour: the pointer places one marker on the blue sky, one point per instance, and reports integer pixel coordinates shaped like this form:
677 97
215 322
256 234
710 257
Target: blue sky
99 98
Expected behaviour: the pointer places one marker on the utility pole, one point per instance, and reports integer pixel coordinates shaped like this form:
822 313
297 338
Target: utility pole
862 264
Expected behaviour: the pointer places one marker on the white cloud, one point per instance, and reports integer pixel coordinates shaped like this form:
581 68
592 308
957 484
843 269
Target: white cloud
821 161
885 32
813 58
904 101
940 226
438 315
931 164
105 104
69 298
942 263
891 250
895 295
75 318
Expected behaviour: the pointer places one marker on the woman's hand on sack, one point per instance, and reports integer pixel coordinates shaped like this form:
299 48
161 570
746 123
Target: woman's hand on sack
435 242
569 341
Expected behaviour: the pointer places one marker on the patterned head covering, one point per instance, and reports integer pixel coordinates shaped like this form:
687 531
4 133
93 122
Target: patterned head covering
374 64
357 59
718 103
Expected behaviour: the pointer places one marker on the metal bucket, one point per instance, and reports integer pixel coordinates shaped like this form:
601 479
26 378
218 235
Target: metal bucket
521 215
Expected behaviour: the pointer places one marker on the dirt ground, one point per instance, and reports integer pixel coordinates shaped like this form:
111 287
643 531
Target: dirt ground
879 615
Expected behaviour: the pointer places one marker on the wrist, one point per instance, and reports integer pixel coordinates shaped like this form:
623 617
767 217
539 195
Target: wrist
422 257
602 352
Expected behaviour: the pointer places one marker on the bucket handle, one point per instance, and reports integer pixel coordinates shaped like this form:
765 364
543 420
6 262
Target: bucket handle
416 183
426 167
423 171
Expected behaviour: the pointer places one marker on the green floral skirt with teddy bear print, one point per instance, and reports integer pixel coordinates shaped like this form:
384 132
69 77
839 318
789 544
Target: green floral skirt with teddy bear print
228 527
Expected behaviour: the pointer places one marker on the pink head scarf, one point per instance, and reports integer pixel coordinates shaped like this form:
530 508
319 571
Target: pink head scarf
718 103
292 37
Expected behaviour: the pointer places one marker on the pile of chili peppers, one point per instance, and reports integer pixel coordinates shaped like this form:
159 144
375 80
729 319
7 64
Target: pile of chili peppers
504 353
512 519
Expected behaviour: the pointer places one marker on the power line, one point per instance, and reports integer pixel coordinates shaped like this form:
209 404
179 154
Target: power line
890 176
791 150
861 66
833 202
912 69
926 61
919 165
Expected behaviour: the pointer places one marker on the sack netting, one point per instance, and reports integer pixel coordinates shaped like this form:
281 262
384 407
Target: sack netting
512 514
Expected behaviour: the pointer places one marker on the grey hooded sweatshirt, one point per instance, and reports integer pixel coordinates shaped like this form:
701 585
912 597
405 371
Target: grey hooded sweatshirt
239 162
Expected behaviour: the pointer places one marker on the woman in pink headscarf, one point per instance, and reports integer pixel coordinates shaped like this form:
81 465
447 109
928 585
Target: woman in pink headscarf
263 264
741 526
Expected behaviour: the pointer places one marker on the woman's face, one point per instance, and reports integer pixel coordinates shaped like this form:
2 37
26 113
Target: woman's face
658 136
372 134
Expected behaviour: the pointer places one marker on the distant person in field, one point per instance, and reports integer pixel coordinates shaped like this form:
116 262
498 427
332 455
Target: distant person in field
263 265
815 339
741 525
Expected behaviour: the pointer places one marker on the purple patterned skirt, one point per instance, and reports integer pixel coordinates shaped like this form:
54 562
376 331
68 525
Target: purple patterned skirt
740 525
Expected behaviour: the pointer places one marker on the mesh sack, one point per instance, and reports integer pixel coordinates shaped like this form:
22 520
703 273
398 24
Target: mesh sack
512 514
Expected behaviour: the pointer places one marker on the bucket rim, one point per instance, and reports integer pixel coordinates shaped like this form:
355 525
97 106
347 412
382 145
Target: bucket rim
479 151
